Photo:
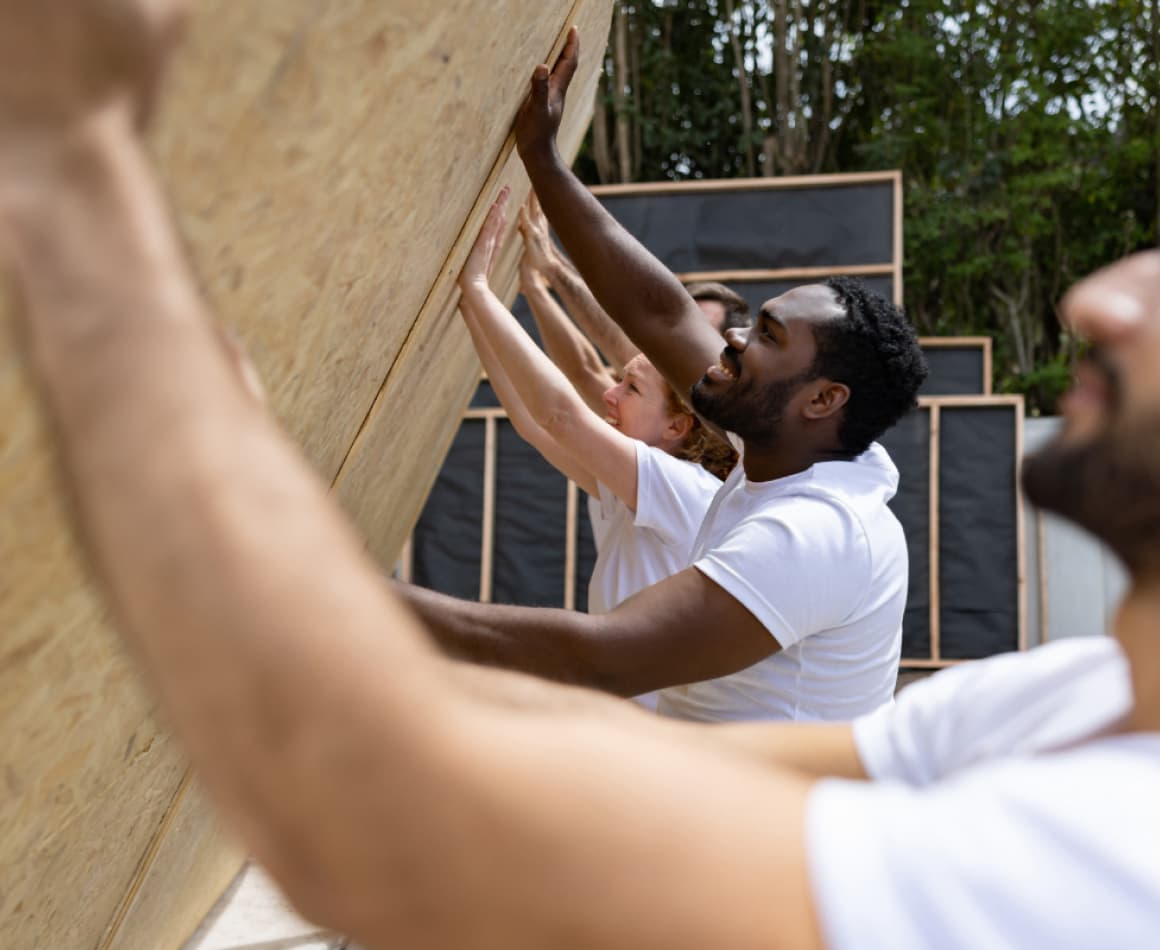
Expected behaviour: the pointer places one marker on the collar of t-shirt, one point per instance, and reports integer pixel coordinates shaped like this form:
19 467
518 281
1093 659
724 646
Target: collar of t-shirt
871 472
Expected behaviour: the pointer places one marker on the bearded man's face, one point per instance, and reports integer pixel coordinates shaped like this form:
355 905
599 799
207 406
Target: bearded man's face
1103 470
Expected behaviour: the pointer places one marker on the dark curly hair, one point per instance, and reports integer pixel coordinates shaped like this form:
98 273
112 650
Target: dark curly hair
874 350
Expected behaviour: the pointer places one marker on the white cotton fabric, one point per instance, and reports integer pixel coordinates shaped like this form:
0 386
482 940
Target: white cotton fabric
821 561
1007 811
635 551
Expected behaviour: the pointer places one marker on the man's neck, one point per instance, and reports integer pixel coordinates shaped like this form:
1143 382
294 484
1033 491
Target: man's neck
763 464
1137 628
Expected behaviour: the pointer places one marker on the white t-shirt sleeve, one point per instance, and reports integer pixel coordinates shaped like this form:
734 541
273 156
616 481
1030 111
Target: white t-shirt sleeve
1053 852
799 566
672 495
1015 703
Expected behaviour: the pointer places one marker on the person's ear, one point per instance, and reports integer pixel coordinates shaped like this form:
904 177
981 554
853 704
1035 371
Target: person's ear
828 398
679 427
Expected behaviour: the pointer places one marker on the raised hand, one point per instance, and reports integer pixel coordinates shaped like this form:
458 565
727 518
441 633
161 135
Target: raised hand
62 59
539 117
477 267
539 252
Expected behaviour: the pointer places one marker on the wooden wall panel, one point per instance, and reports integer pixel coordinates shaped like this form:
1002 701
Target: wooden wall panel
329 162
439 355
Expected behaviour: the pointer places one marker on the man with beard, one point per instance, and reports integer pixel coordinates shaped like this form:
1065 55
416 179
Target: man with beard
411 801
791 606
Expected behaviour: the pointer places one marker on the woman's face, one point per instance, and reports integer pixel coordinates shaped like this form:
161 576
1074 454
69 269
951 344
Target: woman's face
638 404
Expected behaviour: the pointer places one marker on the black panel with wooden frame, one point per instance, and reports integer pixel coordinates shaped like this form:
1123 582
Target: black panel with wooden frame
959 365
975 547
959 385
732 230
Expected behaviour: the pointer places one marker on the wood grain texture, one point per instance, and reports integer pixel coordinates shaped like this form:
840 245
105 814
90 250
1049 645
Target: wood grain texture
329 163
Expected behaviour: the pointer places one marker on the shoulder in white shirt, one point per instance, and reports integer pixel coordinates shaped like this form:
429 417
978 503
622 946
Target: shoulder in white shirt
1007 811
821 561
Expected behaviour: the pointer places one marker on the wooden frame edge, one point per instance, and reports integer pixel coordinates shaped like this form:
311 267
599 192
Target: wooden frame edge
787 182
571 537
786 273
486 553
934 580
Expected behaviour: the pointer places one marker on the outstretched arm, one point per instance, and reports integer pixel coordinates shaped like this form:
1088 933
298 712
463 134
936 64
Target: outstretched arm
684 629
527 427
636 290
566 346
552 402
541 256
324 723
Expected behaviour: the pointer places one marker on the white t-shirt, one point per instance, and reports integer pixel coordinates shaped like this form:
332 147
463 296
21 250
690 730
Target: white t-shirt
634 551
820 560
1006 812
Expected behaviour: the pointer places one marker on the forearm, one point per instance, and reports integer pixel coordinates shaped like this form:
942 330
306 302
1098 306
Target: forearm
638 292
560 645
507 689
816 750
543 389
597 325
528 429
568 348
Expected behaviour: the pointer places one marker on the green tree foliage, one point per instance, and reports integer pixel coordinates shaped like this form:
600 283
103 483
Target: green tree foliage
1028 134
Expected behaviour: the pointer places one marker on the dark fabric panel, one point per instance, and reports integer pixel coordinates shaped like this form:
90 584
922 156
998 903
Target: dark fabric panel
761 229
530 516
756 292
448 537
978 554
909 446
954 371
585 552
485 397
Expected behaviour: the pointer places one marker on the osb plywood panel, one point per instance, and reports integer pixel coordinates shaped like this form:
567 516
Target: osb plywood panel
339 148
329 162
439 359
87 773
194 862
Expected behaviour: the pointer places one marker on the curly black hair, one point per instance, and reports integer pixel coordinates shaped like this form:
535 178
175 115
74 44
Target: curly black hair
874 350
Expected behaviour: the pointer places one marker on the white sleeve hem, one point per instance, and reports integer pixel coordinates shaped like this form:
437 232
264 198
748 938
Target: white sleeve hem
744 593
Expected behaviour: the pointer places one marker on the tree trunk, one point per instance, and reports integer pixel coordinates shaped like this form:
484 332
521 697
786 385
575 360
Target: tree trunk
601 147
620 74
821 143
1155 70
797 161
781 67
768 156
743 84
637 86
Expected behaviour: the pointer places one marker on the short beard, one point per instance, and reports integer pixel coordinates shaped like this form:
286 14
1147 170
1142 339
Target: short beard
1108 485
755 415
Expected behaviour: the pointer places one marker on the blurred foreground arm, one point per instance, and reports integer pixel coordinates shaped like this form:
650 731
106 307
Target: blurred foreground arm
337 741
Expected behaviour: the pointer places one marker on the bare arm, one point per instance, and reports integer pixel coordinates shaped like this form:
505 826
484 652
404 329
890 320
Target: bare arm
288 675
817 750
820 750
566 346
541 256
552 402
683 629
599 327
527 427
636 290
